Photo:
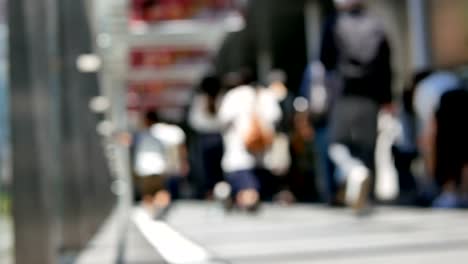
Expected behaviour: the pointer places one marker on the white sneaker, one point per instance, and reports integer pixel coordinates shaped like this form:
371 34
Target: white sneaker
222 191
358 187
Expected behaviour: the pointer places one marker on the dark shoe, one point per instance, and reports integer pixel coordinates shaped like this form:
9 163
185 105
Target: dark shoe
162 213
254 209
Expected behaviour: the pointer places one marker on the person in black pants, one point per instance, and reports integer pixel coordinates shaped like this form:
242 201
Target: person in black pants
203 120
451 150
355 48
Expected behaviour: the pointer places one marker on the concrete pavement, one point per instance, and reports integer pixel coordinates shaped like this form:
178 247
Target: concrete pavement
297 234
6 240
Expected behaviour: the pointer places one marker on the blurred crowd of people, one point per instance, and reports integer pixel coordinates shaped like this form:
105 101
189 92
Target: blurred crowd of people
342 139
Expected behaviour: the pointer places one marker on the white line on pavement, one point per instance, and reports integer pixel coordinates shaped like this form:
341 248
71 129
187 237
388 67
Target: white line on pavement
174 248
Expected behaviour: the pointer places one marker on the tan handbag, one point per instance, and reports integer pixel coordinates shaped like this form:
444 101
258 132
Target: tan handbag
258 138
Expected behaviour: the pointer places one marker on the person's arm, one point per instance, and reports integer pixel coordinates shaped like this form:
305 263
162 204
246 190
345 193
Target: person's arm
275 113
227 110
384 76
427 143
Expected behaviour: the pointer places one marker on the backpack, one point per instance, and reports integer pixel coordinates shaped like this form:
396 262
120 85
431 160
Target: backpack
358 38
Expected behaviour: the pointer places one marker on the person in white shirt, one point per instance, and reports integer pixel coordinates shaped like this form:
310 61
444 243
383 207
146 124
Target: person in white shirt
172 138
246 171
160 161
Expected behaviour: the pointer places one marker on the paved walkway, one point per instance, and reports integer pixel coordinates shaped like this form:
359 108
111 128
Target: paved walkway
108 248
6 240
201 233
314 234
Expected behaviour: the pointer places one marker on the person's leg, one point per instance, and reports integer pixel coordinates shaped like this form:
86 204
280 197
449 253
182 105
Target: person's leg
340 120
172 185
245 188
363 129
153 192
161 196
326 181
403 162
146 191
269 184
212 154
354 137
196 175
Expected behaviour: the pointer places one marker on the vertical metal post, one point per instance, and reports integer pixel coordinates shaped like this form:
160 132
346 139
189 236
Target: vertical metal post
111 26
75 220
419 30
35 134
87 181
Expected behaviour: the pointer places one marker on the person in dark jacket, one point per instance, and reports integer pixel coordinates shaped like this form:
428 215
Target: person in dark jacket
355 49
451 150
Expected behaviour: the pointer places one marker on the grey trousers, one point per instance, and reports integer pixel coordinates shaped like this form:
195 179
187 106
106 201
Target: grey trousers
353 123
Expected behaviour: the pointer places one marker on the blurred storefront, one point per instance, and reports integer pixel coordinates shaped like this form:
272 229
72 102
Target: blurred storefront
449 38
172 44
